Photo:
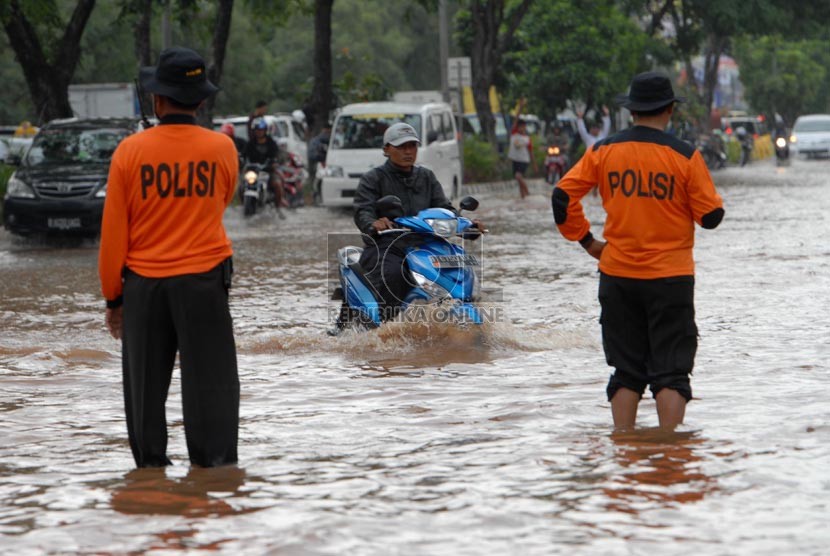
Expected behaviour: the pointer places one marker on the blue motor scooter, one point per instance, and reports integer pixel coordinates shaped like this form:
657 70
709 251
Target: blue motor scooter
442 271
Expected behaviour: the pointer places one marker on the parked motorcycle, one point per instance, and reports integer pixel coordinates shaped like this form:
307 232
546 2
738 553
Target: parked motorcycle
555 164
255 190
713 151
443 271
292 175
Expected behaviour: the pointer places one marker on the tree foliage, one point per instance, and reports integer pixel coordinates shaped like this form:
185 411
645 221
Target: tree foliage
486 39
554 52
782 77
564 54
47 46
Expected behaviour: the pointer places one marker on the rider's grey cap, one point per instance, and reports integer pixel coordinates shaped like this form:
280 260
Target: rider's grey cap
400 133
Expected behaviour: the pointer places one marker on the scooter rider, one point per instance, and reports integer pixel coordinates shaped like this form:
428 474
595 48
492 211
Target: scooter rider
383 257
264 150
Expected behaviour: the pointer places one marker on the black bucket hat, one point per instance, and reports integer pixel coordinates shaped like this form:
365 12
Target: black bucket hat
180 75
648 91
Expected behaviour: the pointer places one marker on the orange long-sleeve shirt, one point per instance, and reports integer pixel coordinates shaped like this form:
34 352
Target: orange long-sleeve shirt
167 190
654 188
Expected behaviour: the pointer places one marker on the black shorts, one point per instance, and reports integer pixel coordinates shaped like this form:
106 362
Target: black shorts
648 332
520 167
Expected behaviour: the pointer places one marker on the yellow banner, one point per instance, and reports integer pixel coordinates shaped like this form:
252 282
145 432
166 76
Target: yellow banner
470 105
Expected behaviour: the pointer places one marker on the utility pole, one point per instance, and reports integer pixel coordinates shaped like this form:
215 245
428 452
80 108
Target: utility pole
444 47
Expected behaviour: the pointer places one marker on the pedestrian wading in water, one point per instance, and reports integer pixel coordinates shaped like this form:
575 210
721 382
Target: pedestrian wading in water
654 188
165 269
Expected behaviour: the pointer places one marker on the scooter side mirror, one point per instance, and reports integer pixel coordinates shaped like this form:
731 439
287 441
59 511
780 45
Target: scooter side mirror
469 203
389 206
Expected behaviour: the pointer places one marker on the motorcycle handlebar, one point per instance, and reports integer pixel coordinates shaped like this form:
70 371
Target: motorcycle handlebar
401 230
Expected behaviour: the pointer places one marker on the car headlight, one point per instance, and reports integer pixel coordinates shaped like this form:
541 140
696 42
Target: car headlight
20 189
431 288
793 138
250 176
444 227
102 192
334 171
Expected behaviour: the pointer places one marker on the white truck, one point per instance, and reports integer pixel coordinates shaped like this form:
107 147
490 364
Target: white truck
104 100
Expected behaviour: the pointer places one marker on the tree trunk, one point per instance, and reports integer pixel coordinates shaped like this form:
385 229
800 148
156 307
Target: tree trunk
48 82
141 31
486 22
221 32
489 45
321 101
141 42
711 59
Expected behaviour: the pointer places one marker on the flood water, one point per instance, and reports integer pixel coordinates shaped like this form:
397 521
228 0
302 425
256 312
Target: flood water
430 440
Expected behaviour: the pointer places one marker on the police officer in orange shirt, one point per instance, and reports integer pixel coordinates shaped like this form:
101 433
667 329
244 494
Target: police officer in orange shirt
165 269
654 189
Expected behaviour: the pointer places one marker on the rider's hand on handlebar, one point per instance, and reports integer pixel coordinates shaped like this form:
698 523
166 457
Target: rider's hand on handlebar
475 231
381 224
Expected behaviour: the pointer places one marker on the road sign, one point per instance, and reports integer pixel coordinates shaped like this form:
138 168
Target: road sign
459 72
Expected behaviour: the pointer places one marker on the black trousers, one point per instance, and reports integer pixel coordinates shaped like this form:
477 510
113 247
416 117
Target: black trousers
188 314
386 269
648 333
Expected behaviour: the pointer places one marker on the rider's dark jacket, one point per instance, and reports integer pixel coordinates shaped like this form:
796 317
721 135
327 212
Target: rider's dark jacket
418 190
260 153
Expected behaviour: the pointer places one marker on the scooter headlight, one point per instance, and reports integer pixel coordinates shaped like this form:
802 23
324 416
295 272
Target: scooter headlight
250 176
780 142
553 151
431 288
444 227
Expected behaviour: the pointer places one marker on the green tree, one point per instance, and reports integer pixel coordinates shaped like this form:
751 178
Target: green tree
47 48
779 76
564 55
485 31
494 23
710 27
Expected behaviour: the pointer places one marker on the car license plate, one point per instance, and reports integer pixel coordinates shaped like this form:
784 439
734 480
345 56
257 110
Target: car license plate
63 223
453 261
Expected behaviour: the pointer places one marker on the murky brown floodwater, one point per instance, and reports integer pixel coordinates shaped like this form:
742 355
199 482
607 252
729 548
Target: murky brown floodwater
426 440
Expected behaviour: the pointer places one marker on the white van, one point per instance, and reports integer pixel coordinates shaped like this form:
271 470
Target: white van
289 133
357 141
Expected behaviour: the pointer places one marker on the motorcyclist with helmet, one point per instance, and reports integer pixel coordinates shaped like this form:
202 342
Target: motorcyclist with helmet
262 149
557 137
384 257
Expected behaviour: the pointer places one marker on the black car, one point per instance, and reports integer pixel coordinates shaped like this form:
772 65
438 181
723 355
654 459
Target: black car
60 184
